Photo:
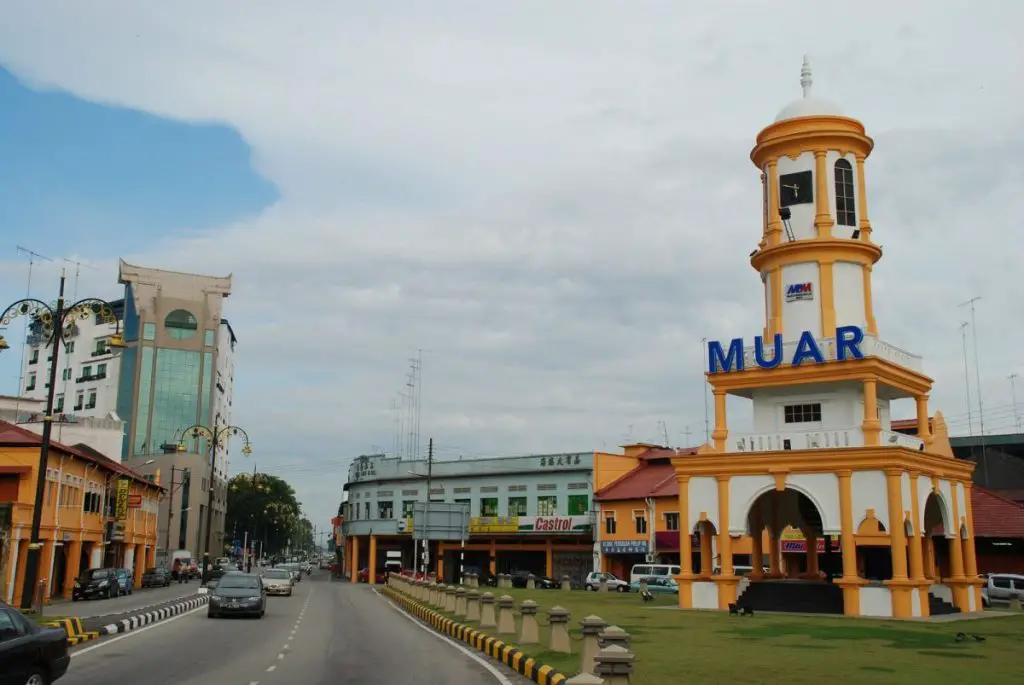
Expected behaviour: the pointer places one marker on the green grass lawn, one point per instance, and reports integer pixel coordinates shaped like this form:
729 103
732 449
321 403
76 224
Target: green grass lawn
673 646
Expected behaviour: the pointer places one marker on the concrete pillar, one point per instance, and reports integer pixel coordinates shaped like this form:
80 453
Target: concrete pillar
613 635
615 665
74 567
460 602
372 577
558 640
566 584
603 585
506 620
354 568
449 599
531 582
487 619
473 605
585 679
591 627
529 631
643 585
140 564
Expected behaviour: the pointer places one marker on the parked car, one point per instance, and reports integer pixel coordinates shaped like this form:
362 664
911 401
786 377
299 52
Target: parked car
95 583
593 582
30 653
1001 587
657 586
240 594
156 577
125 580
520 579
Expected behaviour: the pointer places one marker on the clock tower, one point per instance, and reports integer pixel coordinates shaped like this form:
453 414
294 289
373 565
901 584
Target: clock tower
823 463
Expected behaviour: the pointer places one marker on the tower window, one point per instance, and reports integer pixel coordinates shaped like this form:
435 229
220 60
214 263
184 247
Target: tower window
846 213
802 413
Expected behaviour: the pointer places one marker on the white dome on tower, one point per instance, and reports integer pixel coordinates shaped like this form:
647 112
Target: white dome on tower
807 106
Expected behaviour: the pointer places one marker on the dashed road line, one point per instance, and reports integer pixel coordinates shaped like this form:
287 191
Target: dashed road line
270 669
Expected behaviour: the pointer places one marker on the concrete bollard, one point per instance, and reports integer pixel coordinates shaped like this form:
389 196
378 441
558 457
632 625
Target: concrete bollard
432 594
476 580
566 583
1015 603
603 587
487 619
591 627
614 665
613 635
558 639
449 602
507 580
529 631
506 620
460 602
473 605
531 582
585 679
643 586
437 595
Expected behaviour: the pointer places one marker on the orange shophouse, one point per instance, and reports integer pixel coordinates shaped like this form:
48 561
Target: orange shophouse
823 384
76 535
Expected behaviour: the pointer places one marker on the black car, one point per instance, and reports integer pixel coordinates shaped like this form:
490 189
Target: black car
519 579
30 653
96 582
239 594
156 577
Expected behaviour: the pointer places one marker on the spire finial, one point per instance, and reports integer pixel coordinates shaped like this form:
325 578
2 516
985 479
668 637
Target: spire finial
805 77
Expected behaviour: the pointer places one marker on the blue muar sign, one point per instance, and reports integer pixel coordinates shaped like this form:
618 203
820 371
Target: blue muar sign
720 360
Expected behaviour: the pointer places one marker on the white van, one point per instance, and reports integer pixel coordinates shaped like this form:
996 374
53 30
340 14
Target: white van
652 571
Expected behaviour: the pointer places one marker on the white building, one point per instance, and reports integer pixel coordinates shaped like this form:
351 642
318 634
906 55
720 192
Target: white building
103 434
87 372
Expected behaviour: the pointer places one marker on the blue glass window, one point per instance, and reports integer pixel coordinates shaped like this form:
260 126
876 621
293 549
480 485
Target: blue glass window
149 331
142 415
175 395
181 324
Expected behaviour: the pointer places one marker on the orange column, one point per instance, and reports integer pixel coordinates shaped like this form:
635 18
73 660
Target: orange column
774 220
899 586
706 553
74 552
970 554
354 563
757 550
871 427
923 429
140 564
822 215
372 578
685 578
494 558
862 209
851 580
956 557
726 580
916 548
549 559
721 431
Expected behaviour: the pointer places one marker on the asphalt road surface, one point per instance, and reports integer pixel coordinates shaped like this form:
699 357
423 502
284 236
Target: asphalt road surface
326 633
139 599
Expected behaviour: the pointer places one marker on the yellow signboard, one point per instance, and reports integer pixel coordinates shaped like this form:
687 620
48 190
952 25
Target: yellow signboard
121 503
494 524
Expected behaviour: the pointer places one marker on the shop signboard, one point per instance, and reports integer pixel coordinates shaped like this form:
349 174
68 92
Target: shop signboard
624 547
121 500
494 524
808 349
795 542
567 525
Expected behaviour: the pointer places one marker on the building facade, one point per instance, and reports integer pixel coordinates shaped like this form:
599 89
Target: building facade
823 458
177 370
96 512
526 513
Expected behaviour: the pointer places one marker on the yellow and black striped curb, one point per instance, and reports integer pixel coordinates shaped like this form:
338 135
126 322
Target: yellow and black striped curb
520 662
77 634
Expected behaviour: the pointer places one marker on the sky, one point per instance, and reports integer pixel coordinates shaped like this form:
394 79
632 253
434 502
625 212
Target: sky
553 201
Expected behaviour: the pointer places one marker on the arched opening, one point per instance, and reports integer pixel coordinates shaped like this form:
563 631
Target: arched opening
794 544
704 557
935 550
846 208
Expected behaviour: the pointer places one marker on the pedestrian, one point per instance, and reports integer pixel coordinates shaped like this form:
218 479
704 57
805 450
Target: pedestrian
248 566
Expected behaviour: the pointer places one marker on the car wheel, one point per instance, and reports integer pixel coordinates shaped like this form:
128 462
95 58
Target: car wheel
210 614
129 591
622 588
75 598
37 677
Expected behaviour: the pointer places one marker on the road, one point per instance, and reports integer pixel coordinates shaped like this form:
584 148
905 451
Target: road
127 603
326 633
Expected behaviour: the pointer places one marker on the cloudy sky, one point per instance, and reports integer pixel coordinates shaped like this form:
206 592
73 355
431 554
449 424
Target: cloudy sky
553 200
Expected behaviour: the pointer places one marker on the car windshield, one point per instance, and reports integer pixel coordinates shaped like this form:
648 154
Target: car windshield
101 573
277 574
239 582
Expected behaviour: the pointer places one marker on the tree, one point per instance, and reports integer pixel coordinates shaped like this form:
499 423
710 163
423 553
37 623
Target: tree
266 507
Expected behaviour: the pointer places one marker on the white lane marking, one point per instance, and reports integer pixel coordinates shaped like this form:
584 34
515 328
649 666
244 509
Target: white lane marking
498 675
270 669
280 656
123 636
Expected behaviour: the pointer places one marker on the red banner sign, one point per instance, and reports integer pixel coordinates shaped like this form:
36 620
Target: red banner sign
134 501
552 524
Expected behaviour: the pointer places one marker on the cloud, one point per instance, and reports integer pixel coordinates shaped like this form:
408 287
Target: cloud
554 204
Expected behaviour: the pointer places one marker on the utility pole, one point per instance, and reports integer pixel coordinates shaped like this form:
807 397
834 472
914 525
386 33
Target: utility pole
1013 394
977 381
426 541
170 514
967 377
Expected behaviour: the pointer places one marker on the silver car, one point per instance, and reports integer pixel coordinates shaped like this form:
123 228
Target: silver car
278 581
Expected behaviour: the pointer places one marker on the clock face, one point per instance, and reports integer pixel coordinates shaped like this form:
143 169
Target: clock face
796 189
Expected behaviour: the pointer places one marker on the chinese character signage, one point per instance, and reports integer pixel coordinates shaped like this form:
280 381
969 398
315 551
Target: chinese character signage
624 546
494 524
121 502
560 460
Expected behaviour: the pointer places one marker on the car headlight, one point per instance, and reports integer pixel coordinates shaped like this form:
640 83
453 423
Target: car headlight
78 586
253 599
105 583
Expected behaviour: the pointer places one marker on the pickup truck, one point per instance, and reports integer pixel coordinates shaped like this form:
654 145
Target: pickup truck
30 653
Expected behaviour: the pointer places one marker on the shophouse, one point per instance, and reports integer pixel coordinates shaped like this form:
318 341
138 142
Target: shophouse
96 512
527 513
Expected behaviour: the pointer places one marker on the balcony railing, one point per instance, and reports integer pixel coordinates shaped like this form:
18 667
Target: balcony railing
815 440
872 346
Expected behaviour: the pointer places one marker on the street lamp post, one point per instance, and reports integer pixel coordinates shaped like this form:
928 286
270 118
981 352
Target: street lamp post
215 435
55 325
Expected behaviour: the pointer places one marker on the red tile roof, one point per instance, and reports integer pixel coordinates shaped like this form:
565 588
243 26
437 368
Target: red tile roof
654 477
16 436
995 516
